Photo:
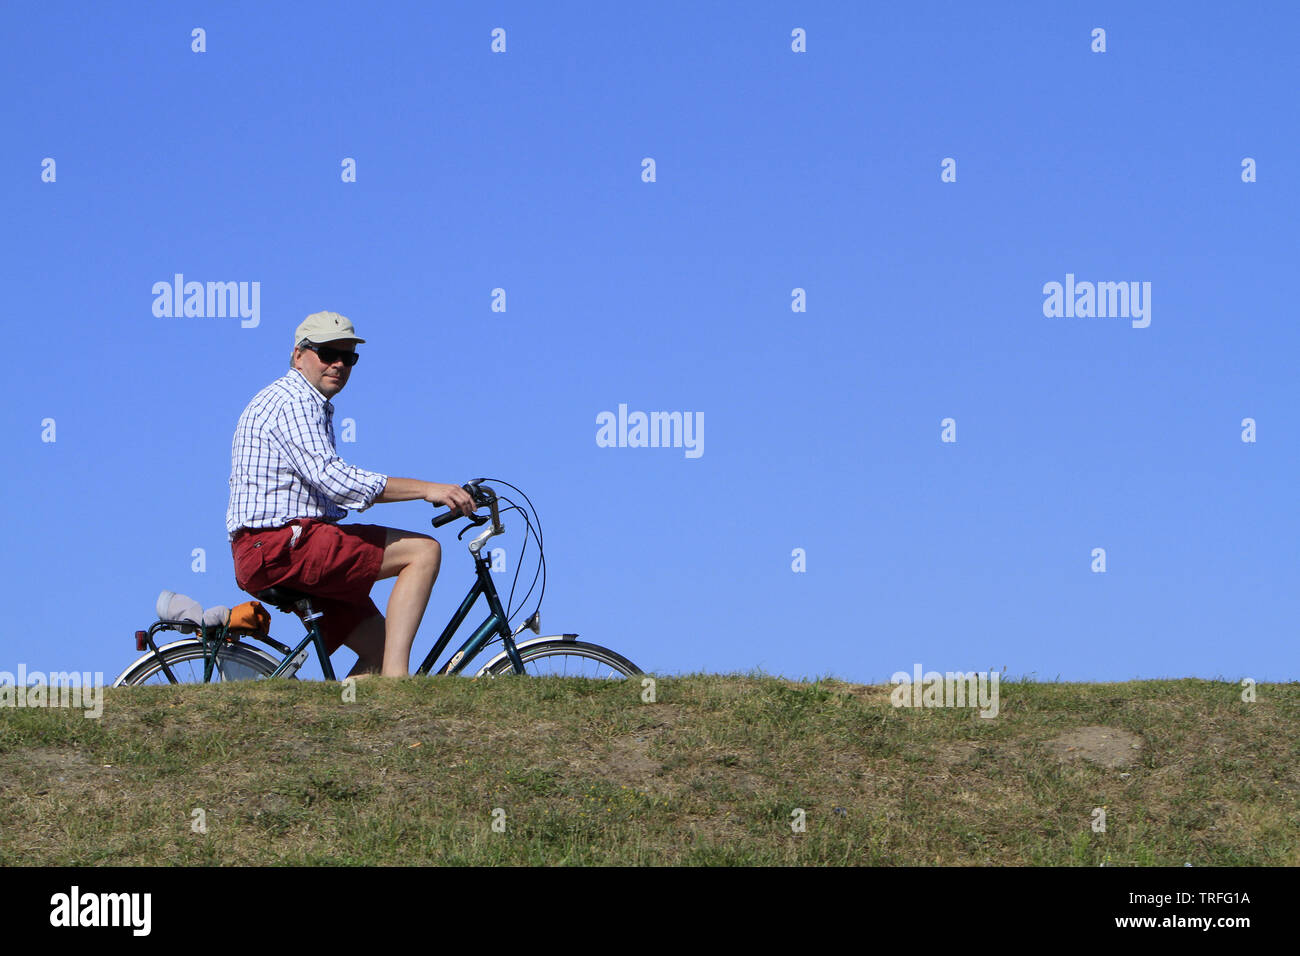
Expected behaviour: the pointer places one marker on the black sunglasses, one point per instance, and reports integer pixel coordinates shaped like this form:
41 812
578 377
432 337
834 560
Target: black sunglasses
329 356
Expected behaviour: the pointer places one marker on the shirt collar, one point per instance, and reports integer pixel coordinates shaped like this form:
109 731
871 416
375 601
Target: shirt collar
298 382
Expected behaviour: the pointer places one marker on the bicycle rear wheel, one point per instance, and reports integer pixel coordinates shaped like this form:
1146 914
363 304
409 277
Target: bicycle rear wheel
185 659
566 659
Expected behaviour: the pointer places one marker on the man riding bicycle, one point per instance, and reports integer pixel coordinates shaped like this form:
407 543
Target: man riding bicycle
289 488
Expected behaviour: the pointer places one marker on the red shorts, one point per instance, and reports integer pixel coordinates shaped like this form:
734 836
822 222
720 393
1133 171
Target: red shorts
336 564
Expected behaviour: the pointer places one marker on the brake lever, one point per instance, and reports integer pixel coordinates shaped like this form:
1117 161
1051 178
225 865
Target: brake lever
474 522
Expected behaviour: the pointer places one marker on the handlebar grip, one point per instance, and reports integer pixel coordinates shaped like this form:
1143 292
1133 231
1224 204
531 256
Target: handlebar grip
471 488
443 519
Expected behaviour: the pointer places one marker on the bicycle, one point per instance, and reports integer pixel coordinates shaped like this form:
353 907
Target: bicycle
223 653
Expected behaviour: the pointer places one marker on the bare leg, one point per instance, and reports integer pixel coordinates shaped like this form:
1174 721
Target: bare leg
414 559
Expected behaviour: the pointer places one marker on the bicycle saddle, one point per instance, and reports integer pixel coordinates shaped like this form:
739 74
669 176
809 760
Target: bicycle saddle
282 598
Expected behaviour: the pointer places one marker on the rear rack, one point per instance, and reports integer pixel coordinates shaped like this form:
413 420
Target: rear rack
215 633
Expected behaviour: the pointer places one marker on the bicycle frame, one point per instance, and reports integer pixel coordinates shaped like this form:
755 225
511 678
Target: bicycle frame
496 624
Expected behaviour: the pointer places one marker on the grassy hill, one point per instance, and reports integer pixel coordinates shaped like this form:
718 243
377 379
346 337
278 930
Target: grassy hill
712 772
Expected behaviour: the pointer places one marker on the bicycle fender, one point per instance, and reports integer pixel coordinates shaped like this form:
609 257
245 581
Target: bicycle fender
521 645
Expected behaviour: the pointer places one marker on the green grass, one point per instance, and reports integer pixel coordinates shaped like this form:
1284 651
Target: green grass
711 773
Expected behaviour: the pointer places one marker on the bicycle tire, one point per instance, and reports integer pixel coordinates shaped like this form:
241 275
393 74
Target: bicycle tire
185 658
602 663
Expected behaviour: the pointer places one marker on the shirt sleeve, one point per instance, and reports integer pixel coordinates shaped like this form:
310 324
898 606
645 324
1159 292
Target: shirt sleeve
300 431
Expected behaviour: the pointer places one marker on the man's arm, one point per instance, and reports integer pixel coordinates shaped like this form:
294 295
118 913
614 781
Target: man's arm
304 441
412 489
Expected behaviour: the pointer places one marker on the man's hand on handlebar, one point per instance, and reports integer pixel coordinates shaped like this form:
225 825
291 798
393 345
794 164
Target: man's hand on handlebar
453 496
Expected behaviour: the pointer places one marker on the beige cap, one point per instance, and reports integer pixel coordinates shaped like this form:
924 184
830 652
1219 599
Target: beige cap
325 327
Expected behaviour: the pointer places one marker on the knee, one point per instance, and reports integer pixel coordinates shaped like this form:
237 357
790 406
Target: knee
429 554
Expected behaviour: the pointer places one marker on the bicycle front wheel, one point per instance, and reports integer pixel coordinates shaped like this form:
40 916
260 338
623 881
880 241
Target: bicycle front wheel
185 660
566 659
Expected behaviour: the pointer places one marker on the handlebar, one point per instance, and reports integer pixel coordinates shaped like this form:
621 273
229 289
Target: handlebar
483 497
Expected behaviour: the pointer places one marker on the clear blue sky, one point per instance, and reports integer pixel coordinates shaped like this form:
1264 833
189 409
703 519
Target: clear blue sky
775 170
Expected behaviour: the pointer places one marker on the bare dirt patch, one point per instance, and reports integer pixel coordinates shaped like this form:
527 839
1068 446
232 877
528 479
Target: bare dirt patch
626 759
628 762
41 769
1108 746
953 752
867 693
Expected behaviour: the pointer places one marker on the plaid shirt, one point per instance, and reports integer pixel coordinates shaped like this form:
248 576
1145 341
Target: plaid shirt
283 464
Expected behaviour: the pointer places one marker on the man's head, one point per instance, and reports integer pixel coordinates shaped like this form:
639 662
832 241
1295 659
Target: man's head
322 348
